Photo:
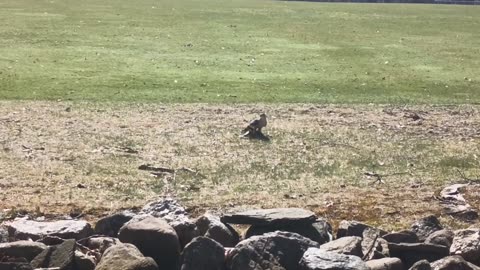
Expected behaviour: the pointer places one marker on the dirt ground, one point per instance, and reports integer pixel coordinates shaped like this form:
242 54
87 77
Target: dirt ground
83 158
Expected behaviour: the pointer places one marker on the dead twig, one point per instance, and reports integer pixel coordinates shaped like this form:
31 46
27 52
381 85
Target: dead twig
379 177
465 178
371 248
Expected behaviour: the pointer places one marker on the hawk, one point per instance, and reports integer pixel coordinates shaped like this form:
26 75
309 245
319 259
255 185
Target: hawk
256 125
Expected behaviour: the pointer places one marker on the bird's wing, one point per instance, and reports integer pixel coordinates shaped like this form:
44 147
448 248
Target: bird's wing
254 123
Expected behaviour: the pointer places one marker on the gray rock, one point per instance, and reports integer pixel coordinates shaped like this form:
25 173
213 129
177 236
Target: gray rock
317 259
277 250
125 257
442 237
51 240
453 263
277 216
22 249
155 238
421 265
349 245
405 236
374 250
83 262
110 225
354 228
466 243
3 234
454 203
99 243
175 214
210 226
385 264
203 254
15 266
61 256
426 226
411 253
320 231
66 229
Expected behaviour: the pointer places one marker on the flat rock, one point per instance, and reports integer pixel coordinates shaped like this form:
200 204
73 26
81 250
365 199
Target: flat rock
385 264
453 263
411 253
22 249
349 245
277 250
203 254
354 228
405 236
125 257
317 259
66 229
466 243
277 216
320 231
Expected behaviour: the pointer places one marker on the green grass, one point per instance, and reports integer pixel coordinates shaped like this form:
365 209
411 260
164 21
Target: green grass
238 51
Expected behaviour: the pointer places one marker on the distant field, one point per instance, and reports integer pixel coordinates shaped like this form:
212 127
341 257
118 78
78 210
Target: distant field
238 51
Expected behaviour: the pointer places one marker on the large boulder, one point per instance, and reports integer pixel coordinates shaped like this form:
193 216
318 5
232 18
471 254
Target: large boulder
125 257
210 226
453 263
67 229
276 216
442 237
203 254
317 259
426 226
277 250
385 264
320 231
110 225
405 236
155 238
466 243
22 249
61 256
175 214
354 228
349 245
411 253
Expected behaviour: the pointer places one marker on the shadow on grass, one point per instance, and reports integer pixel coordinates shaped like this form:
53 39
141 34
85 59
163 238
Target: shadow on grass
256 135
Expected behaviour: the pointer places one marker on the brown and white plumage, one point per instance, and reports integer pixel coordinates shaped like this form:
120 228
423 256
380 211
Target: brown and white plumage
256 125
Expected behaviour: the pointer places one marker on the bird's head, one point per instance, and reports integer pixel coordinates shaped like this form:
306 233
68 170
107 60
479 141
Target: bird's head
263 115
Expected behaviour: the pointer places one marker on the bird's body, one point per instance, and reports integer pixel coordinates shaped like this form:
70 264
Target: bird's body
256 125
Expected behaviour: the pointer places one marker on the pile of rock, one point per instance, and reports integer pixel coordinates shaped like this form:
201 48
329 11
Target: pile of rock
162 236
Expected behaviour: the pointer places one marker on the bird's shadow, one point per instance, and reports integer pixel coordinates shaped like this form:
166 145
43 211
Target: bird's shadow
257 135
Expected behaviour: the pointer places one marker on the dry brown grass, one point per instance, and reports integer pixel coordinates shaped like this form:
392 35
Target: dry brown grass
316 158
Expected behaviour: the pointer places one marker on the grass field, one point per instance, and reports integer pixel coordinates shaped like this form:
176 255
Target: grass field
238 51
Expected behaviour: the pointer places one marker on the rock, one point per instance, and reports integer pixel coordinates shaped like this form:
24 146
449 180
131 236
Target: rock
277 250
203 254
442 237
210 226
466 243
454 203
3 235
99 243
385 264
155 238
411 253
110 225
125 257
374 250
277 216
320 231
83 262
405 236
426 226
453 263
22 249
61 256
176 215
421 265
66 229
349 245
15 266
51 240
354 228
317 259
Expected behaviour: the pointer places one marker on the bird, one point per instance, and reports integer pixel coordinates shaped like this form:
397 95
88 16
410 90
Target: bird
255 126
